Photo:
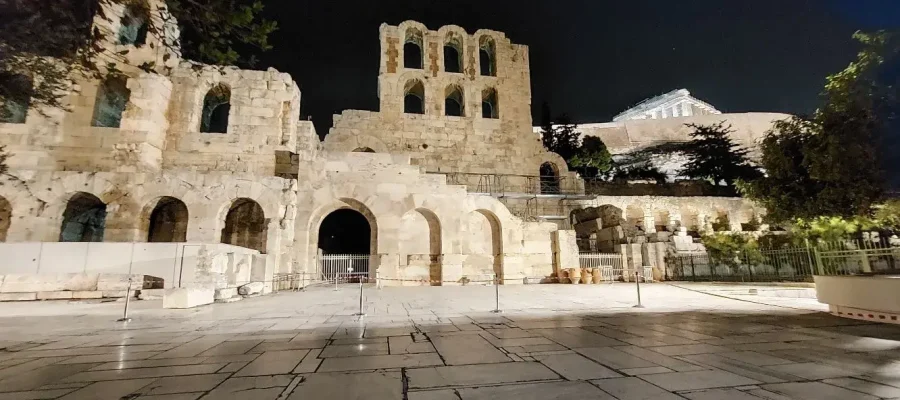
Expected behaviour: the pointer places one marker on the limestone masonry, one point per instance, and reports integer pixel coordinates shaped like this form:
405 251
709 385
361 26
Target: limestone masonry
216 160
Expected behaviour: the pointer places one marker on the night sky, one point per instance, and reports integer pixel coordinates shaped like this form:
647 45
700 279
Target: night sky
592 59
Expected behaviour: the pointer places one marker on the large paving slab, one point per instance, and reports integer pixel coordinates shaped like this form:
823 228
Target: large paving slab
551 342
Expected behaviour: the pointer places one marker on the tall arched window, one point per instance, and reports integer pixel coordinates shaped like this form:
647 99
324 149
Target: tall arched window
245 225
454 102
112 97
84 219
453 54
14 109
489 106
216 107
412 49
487 56
133 25
414 97
549 178
168 221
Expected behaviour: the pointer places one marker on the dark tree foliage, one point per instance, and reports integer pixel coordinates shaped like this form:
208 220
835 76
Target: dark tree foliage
49 40
592 158
560 135
713 156
837 163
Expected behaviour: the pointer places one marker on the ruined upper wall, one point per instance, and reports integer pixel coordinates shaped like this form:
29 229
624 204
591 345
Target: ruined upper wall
490 135
157 124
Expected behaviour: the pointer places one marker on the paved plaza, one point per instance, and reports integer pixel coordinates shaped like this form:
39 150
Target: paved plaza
698 342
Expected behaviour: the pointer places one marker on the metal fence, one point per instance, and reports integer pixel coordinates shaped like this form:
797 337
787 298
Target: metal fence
796 264
343 267
504 184
610 264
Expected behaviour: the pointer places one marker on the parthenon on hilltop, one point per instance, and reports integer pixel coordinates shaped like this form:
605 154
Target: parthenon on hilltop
199 180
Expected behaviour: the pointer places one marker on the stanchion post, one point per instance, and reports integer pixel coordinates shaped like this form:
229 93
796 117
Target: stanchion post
360 313
496 295
127 295
637 281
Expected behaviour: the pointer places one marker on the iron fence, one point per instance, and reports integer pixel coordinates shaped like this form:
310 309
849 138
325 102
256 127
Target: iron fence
506 184
796 264
343 267
610 264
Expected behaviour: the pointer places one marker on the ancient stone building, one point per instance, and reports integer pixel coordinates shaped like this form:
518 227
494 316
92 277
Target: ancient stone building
205 177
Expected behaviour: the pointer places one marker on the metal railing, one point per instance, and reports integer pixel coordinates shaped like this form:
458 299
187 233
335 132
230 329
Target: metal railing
343 267
610 264
508 184
797 264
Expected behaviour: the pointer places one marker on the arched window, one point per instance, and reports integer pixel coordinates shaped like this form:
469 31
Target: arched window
168 221
489 106
412 49
216 107
112 97
453 54
245 225
454 103
133 26
363 150
14 109
549 178
414 97
487 56
84 219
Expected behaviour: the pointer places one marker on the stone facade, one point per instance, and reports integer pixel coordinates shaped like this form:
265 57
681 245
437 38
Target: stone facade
218 155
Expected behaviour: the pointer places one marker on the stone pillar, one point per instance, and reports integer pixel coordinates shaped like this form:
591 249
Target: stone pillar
734 222
565 250
649 222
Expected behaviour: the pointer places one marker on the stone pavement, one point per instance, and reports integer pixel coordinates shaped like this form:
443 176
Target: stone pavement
550 342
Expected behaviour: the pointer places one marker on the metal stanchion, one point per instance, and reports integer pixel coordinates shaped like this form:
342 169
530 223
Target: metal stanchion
637 281
302 281
335 279
127 296
360 313
496 295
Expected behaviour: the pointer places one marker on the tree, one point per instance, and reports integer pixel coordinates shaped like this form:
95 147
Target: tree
592 157
832 165
559 136
50 40
714 156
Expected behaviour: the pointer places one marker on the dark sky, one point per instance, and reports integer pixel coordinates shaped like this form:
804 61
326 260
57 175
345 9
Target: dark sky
593 58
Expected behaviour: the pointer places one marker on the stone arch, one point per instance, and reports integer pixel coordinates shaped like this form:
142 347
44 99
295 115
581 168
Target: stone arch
14 110
484 243
5 217
421 239
84 219
721 220
690 220
661 218
490 107
413 44
216 109
453 52
361 142
454 101
134 24
549 178
245 225
363 150
634 217
315 222
109 105
414 97
749 219
165 220
487 55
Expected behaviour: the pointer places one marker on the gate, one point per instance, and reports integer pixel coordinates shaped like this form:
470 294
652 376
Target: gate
333 267
610 264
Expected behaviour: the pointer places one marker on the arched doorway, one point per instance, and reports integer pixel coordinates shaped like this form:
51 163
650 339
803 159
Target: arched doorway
420 245
168 221
245 225
84 219
484 247
345 241
549 176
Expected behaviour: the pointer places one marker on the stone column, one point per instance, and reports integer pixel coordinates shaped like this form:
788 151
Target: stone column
565 250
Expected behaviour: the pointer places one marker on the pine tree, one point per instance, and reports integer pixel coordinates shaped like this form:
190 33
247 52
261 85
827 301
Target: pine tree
713 155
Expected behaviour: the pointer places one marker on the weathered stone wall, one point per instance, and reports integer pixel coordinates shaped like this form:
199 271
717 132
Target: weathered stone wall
468 143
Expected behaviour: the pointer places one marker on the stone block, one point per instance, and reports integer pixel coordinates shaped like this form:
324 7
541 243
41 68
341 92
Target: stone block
113 293
251 288
226 293
115 282
187 297
18 296
17 283
56 295
87 294
151 294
